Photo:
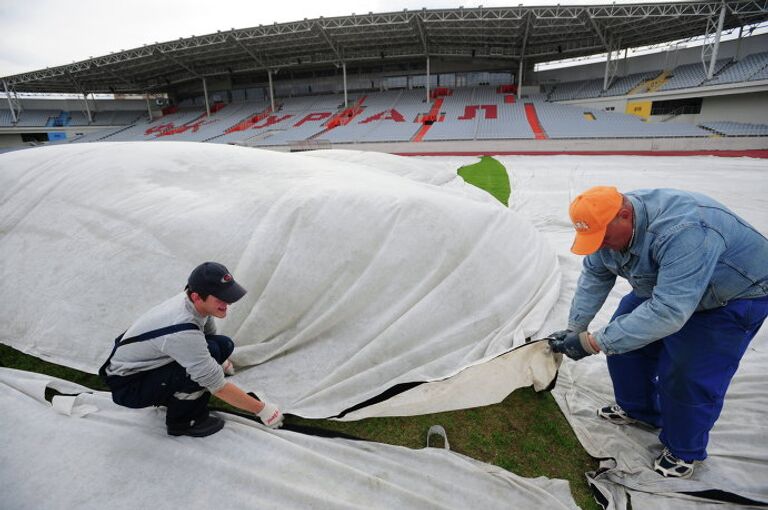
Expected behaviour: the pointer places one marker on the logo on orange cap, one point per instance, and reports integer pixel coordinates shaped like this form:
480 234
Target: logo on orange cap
591 212
580 226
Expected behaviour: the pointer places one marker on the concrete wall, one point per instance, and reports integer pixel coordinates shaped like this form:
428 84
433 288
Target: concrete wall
750 108
10 140
636 145
619 104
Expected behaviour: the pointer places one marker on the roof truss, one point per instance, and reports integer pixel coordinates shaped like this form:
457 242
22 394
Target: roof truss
542 33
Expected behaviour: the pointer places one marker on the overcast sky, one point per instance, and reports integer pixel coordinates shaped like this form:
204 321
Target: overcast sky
35 34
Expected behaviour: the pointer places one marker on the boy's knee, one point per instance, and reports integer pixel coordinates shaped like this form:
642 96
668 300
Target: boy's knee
220 346
227 346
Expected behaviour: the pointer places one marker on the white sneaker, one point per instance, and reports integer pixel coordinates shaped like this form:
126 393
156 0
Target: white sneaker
229 368
670 466
616 415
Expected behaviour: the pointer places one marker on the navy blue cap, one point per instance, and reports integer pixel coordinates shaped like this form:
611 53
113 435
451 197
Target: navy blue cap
212 278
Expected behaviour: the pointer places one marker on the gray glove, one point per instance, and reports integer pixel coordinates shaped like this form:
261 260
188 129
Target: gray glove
574 345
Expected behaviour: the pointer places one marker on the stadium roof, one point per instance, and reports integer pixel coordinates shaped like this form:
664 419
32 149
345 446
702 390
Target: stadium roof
538 34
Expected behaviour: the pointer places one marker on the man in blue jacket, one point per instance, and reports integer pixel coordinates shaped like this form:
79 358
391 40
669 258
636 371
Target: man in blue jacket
699 277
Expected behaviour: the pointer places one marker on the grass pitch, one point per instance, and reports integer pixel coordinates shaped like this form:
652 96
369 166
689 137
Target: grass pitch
489 175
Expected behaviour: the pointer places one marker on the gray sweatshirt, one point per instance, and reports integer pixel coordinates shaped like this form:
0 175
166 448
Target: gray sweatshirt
188 348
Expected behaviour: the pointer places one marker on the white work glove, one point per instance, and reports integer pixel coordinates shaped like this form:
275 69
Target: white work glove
229 368
271 416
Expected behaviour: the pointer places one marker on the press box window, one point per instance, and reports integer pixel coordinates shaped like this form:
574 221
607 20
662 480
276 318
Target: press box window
677 106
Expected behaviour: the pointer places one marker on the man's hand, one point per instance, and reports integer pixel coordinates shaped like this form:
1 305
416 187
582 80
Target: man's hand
271 416
572 344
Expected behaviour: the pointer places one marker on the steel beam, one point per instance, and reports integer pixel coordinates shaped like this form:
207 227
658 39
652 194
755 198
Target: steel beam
10 103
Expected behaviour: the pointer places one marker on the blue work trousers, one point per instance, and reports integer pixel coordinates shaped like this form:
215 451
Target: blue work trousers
678 383
170 386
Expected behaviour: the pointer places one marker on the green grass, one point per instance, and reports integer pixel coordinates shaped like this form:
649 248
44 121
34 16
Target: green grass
11 358
489 175
525 434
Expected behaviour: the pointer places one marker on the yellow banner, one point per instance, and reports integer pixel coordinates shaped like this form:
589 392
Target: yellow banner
639 108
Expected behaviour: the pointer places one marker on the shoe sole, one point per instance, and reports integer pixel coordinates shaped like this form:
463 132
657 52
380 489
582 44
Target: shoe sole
200 433
616 421
688 475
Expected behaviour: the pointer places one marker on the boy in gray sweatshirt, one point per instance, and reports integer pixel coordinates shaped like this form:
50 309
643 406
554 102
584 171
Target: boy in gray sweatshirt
172 356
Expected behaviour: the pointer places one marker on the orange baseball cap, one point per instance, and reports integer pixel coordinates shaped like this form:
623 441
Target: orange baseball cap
591 212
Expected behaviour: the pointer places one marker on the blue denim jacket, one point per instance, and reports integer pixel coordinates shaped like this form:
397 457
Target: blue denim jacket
689 253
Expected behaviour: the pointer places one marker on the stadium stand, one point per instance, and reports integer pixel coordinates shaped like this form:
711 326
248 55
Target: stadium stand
571 90
306 114
36 117
463 113
204 128
760 75
253 124
624 85
743 70
591 88
726 128
690 75
562 121
469 113
399 123
457 122
752 67
76 119
533 120
153 130
546 91
97 136
480 113
511 123
584 89
6 118
387 116
33 118
309 116
117 117
537 98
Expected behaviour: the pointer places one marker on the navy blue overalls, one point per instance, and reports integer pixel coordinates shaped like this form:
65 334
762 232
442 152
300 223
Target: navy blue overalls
169 385
678 383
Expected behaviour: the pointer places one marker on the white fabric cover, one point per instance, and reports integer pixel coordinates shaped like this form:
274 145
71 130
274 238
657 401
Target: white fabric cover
542 188
119 458
363 271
